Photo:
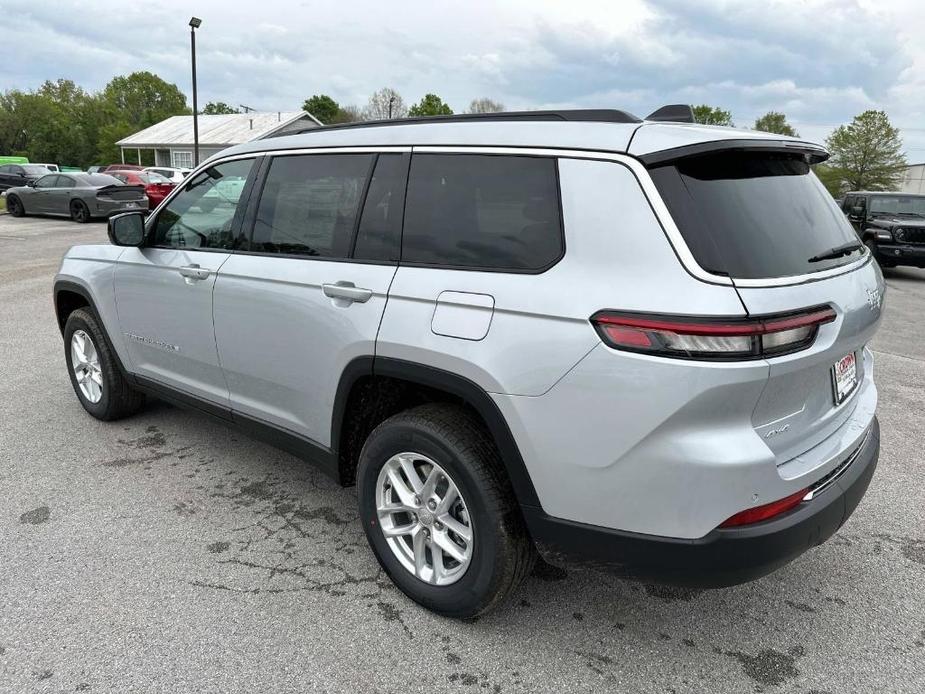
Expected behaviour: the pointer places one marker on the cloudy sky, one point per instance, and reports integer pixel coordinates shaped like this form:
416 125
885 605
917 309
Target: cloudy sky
819 61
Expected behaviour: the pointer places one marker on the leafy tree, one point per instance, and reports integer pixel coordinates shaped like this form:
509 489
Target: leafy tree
430 105
485 105
775 122
348 114
143 99
832 179
218 108
384 104
867 153
712 115
322 107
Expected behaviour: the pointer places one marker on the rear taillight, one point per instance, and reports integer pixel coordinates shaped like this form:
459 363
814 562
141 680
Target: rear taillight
765 512
685 337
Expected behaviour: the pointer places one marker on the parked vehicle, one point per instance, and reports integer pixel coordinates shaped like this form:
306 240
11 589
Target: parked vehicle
156 187
891 225
121 167
171 174
12 175
6 159
95 169
51 167
81 196
638 344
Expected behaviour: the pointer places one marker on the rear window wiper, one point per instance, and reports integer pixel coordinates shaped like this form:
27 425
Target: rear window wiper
836 252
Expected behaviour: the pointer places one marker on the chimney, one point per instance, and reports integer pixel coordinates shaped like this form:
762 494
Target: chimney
279 117
252 123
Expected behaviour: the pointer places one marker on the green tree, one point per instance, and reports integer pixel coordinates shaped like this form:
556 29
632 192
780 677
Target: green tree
348 114
775 122
218 108
430 105
134 102
322 107
485 105
712 115
867 153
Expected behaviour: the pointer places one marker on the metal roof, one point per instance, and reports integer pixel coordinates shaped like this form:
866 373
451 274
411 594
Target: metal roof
222 130
637 139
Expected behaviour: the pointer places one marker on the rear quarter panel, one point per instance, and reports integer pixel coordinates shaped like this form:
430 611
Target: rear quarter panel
617 257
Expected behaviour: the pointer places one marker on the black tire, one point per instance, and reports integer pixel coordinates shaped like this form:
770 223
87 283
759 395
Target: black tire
80 213
15 207
118 398
502 552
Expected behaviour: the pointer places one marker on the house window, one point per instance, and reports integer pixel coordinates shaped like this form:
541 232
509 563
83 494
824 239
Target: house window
183 160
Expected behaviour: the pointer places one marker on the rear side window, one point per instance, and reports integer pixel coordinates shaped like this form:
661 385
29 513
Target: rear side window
310 203
482 212
379 233
754 215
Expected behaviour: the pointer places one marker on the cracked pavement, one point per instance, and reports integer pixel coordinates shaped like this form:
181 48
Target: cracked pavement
168 553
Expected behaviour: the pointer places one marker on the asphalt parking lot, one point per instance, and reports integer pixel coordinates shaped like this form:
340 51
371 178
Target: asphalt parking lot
165 553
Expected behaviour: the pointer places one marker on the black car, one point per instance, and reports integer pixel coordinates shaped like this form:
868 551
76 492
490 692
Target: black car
891 225
12 175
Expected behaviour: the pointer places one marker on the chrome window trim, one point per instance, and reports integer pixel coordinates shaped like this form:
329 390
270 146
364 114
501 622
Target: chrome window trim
639 171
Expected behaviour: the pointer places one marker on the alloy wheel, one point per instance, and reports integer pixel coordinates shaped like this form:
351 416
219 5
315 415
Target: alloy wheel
424 519
85 361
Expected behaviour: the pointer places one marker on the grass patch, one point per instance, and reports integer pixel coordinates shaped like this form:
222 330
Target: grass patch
2 204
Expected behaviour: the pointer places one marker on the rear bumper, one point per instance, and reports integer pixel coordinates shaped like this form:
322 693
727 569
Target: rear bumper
108 208
723 557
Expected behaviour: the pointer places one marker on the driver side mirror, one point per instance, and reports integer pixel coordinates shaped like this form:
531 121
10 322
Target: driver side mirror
31 182
127 229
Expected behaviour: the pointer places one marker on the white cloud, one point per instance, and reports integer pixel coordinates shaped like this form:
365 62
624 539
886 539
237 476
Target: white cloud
819 61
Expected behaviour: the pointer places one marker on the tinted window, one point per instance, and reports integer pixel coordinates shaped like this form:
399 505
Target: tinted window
380 225
754 215
309 204
47 181
202 215
5 169
64 182
100 180
482 211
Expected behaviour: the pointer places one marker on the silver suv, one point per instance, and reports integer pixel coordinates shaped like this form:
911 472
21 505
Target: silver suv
635 344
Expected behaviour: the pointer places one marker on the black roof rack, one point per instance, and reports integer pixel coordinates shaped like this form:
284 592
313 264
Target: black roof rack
602 115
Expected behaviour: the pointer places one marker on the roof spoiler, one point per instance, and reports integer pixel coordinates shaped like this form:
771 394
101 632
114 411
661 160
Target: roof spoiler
673 113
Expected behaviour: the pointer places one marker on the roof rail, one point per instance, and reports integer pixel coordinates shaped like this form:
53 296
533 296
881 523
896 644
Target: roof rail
602 115
673 113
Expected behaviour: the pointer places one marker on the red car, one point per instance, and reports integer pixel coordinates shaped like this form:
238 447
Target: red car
156 186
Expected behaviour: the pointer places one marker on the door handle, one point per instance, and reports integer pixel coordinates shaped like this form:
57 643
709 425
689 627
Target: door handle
347 291
193 271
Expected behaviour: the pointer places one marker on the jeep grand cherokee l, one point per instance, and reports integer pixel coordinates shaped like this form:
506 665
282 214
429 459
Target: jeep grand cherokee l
633 343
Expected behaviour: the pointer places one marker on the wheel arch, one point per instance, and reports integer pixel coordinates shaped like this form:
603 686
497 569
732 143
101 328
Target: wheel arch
456 388
70 296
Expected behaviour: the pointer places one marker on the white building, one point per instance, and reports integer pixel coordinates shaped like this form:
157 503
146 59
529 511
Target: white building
172 139
913 180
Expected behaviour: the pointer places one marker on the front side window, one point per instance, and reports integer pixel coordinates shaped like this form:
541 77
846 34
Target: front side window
309 204
202 214
482 211
755 215
47 181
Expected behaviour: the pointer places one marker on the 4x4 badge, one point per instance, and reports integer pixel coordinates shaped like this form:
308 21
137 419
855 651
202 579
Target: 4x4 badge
873 299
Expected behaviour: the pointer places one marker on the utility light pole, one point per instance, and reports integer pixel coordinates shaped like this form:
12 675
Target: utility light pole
194 24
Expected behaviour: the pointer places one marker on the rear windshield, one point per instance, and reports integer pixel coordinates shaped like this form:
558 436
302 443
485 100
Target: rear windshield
755 215
101 180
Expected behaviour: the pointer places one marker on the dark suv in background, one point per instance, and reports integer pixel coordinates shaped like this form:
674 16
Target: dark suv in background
891 225
12 175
